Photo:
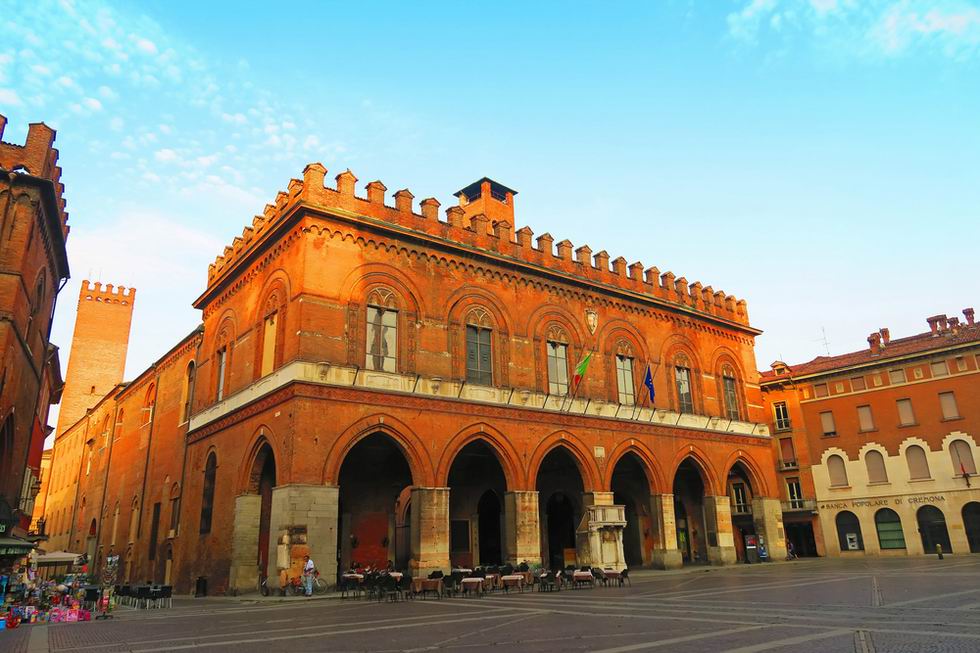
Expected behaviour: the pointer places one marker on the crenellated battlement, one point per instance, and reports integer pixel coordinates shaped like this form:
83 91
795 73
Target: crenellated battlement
36 157
488 230
107 294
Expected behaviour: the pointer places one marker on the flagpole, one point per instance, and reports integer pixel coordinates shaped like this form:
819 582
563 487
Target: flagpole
571 401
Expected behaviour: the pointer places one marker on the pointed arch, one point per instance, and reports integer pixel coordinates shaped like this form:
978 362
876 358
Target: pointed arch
501 445
651 467
589 471
261 446
709 475
757 479
404 437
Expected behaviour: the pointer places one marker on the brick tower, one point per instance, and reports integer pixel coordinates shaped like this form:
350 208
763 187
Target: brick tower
98 348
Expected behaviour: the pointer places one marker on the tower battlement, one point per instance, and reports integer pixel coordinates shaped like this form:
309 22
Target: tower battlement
108 294
488 230
36 157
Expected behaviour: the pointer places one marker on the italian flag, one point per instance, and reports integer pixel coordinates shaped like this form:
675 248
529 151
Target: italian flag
580 370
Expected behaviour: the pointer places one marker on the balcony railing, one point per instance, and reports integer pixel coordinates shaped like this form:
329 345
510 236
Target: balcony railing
788 464
784 424
741 509
800 505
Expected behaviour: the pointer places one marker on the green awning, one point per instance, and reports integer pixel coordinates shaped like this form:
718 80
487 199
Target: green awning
14 546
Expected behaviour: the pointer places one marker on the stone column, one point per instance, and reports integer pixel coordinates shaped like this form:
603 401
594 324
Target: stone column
718 521
666 555
768 517
314 508
602 545
244 573
430 530
522 527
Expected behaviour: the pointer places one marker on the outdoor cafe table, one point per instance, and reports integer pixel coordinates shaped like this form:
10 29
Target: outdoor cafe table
583 577
462 570
397 575
358 577
493 581
612 574
473 584
426 585
513 580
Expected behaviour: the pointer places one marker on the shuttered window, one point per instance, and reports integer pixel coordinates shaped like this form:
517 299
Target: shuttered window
866 420
875 463
786 450
906 416
939 368
857 383
837 470
827 423
479 368
962 456
918 465
947 401
896 376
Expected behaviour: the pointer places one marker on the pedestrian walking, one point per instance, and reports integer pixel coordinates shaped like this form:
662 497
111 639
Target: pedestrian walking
308 568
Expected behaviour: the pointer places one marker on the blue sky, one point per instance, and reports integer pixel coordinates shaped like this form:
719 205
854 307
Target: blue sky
819 158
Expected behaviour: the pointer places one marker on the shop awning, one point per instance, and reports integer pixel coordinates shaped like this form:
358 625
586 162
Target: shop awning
55 558
14 546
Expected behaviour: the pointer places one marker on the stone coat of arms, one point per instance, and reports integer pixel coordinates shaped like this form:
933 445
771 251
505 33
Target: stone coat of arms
592 320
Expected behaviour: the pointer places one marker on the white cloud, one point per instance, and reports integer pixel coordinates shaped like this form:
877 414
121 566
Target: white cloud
107 93
40 69
236 118
92 104
146 46
9 96
165 155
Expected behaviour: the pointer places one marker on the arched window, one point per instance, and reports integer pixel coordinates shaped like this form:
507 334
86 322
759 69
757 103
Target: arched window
849 531
479 353
39 292
134 519
207 498
875 463
625 382
889 527
683 384
962 456
729 386
149 402
105 432
381 349
918 465
189 389
557 355
837 470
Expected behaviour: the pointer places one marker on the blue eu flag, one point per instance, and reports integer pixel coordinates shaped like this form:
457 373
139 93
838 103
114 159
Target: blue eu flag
648 382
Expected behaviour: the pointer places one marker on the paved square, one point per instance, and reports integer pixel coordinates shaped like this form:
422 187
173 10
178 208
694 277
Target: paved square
900 605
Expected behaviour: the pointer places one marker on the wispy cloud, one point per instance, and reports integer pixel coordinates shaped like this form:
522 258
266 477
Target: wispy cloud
880 29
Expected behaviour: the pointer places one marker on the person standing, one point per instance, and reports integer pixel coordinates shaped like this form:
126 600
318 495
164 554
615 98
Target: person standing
308 568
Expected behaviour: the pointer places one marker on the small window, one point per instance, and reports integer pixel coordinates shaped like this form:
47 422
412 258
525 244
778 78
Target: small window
916 459
479 368
866 420
222 371
624 380
875 463
963 463
947 401
837 470
939 368
839 387
557 368
189 389
876 380
820 390
917 373
787 452
857 383
685 398
827 423
781 414
795 493
960 364
382 339
740 501
906 417
896 376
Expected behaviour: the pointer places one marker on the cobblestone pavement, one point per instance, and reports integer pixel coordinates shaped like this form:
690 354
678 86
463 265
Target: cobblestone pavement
864 606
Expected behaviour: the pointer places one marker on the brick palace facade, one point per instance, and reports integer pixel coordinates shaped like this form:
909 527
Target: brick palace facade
380 384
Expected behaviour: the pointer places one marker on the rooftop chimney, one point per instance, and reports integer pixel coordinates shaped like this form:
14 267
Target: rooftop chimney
886 336
934 323
875 341
489 198
968 314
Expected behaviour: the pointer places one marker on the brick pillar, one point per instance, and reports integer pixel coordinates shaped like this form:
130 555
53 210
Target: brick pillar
430 530
244 574
666 555
768 517
522 528
718 521
312 507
